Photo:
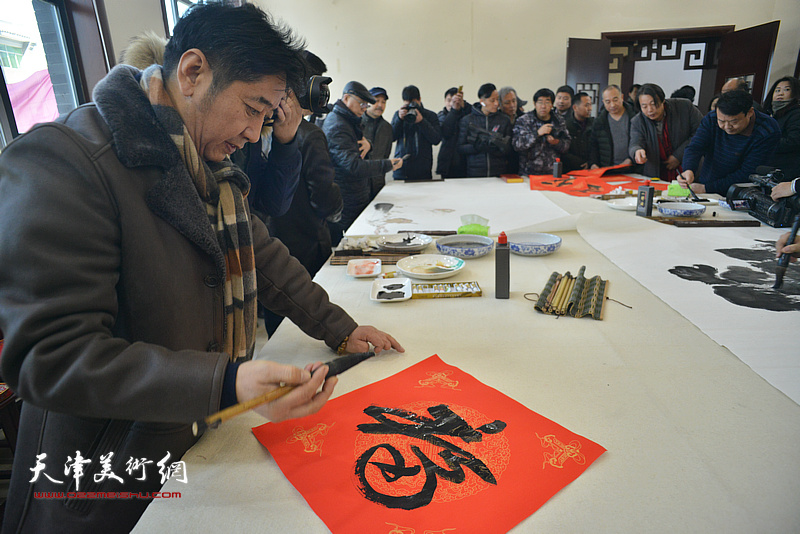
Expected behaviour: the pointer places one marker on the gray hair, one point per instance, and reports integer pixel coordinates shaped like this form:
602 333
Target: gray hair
507 89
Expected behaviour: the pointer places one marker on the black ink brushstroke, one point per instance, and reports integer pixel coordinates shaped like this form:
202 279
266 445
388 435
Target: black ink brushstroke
749 286
444 422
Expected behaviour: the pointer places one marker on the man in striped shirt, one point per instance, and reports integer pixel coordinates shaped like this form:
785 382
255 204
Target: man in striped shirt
733 140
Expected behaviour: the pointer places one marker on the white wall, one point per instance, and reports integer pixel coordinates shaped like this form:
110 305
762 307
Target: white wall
129 18
442 43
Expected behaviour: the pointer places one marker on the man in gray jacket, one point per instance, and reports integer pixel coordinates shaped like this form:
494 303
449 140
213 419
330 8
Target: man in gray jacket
129 270
661 132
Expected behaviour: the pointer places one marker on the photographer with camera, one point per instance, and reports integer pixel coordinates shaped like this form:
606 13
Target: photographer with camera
416 130
540 136
733 140
484 135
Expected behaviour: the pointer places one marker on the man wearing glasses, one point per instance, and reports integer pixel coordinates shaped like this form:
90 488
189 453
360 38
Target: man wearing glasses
734 140
343 130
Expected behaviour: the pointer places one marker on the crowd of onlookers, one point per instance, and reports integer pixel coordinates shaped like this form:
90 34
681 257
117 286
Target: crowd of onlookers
668 138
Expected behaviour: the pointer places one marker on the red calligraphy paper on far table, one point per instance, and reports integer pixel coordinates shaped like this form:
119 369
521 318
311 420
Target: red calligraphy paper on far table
430 449
584 183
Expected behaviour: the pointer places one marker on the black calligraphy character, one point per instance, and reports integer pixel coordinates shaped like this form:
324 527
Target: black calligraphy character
445 422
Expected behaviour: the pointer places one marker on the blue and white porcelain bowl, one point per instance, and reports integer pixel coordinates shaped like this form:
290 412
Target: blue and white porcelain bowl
681 209
533 244
465 246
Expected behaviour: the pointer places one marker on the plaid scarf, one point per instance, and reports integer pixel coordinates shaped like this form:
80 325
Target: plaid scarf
223 188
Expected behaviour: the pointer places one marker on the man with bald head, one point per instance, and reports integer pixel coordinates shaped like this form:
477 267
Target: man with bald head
611 130
740 84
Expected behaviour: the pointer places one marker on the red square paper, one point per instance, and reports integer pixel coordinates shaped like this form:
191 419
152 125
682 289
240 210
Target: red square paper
430 449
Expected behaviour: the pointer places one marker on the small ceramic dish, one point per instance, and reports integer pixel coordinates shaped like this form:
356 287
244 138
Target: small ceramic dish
533 244
390 290
624 204
430 266
465 246
364 268
406 242
681 209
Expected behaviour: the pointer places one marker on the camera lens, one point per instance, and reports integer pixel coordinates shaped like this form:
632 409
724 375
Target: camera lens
317 95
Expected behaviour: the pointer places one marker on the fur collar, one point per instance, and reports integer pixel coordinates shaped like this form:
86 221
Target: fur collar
140 141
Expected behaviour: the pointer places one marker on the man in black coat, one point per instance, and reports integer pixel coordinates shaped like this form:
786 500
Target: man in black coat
579 126
450 163
379 134
416 130
343 130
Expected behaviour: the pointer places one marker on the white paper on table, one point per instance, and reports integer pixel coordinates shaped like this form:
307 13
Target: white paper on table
440 205
765 340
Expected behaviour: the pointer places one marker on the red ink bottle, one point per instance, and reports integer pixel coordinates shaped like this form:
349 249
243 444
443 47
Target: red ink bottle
502 256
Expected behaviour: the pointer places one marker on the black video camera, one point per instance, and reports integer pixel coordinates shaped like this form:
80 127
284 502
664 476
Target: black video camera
413 110
317 95
755 198
486 141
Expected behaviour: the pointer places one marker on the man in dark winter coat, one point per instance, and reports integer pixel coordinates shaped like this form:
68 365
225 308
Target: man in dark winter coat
317 201
484 135
416 130
611 131
379 134
451 163
127 294
579 126
353 173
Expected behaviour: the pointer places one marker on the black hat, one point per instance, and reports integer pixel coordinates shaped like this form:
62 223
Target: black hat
379 91
357 89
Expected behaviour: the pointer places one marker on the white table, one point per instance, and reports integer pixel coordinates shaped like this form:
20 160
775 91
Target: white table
697 441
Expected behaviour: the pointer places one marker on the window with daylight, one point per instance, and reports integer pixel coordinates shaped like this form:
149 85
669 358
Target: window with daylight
174 10
36 64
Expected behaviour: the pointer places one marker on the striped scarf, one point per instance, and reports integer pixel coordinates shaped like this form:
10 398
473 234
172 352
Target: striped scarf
223 188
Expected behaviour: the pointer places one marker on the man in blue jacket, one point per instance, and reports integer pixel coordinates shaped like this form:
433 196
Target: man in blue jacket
734 140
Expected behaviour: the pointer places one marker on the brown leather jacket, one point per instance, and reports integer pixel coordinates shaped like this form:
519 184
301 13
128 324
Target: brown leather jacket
112 306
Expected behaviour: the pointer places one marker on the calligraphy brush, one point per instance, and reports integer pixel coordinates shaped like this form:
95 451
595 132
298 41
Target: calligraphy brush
335 367
783 261
691 191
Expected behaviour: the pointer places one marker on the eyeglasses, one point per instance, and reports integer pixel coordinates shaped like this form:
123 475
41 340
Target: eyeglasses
364 105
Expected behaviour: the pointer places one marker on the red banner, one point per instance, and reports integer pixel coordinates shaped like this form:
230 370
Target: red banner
430 449
588 182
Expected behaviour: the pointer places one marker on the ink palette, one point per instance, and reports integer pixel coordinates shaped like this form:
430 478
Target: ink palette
364 268
430 266
390 290
623 204
406 242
